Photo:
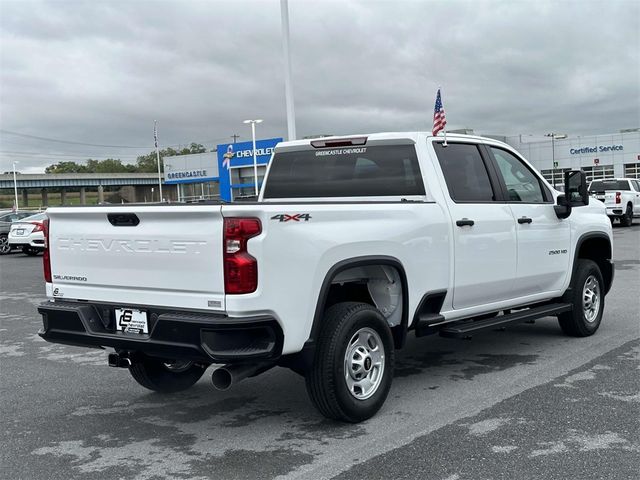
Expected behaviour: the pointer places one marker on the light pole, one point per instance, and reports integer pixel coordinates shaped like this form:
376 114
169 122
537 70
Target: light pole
15 185
288 83
255 160
553 154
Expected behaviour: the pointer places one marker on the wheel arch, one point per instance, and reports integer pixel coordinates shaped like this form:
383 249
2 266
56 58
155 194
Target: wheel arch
596 246
399 331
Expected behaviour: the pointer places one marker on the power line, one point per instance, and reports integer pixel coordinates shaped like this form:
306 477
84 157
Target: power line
79 155
69 141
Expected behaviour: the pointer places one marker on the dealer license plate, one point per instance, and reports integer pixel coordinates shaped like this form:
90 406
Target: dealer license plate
20 231
130 320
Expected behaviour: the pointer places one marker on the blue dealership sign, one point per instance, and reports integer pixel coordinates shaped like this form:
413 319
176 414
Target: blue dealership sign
233 155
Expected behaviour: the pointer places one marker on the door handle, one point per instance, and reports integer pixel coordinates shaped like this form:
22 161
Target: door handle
465 222
524 220
123 219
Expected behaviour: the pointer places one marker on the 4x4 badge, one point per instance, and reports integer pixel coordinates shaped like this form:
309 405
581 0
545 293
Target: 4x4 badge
296 217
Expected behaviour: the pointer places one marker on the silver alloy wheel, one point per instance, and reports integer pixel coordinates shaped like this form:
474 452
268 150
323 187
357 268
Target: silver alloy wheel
4 245
364 363
178 366
591 299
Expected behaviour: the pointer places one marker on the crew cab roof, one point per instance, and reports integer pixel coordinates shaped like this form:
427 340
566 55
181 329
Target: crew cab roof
382 137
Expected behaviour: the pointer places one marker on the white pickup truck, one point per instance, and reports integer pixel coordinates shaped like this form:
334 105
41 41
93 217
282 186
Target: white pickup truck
621 197
353 243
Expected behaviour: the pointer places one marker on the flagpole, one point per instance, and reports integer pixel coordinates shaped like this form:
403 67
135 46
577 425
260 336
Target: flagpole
155 137
445 125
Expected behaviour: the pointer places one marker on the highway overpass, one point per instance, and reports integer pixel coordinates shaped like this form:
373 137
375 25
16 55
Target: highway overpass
142 184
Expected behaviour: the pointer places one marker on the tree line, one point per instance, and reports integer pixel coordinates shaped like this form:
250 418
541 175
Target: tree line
144 163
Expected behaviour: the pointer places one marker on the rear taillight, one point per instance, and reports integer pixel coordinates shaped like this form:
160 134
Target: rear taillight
46 258
38 227
240 268
618 197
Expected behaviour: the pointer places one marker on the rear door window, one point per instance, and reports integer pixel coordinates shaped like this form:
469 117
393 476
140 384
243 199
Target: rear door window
465 172
384 170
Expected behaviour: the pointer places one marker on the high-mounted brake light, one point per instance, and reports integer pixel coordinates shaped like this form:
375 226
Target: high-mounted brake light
46 258
240 268
38 227
342 142
618 197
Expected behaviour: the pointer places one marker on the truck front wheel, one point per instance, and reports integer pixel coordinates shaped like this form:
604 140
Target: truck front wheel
165 376
353 364
587 297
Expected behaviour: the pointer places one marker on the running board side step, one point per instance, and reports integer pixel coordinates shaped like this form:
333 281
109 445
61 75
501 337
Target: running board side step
465 329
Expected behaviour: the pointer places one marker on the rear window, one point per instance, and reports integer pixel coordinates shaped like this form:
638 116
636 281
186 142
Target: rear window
602 185
367 171
35 218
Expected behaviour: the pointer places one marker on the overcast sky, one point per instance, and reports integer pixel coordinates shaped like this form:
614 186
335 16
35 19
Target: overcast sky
101 71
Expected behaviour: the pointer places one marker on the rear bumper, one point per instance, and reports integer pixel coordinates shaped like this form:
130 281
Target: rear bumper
172 335
33 240
614 211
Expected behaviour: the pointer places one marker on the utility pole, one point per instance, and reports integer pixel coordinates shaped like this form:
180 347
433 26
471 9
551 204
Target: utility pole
155 138
235 137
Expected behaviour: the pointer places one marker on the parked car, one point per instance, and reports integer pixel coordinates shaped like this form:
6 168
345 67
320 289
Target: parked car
621 196
28 234
354 242
7 217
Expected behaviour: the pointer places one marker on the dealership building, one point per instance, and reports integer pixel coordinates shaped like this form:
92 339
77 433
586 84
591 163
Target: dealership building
612 155
228 173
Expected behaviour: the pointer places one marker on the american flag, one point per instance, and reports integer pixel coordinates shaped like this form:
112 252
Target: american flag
155 133
439 120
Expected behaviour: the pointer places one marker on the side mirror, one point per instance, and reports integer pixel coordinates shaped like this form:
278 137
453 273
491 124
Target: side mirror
563 208
575 188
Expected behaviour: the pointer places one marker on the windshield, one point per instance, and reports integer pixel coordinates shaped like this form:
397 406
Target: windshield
602 185
386 170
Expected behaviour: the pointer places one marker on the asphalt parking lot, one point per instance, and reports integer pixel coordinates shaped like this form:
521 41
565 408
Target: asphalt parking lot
525 403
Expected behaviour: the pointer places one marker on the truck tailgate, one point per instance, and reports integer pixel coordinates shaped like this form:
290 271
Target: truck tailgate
138 255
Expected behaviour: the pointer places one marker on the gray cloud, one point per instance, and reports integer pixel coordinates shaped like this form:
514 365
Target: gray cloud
101 72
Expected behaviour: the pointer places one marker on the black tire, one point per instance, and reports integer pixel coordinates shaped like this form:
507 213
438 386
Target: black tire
5 248
627 219
326 380
156 375
32 252
581 321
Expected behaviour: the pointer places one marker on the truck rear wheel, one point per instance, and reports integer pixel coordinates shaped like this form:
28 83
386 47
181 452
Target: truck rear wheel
165 376
627 219
587 297
353 365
